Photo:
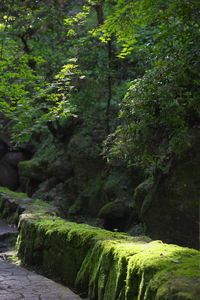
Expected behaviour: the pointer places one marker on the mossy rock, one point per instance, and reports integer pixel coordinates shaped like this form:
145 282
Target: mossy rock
161 271
127 267
13 204
171 209
139 270
120 183
106 265
15 195
113 210
58 245
10 209
61 168
9 175
32 173
115 215
33 169
91 197
116 183
85 158
141 191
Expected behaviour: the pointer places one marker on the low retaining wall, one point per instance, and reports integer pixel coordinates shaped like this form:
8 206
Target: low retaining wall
105 265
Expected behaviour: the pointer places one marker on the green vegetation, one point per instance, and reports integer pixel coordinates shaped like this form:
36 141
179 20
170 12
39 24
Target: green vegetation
161 107
12 194
13 204
127 267
83 64
107 91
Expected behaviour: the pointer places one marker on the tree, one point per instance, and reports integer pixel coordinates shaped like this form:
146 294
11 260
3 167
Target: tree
161 107
28 35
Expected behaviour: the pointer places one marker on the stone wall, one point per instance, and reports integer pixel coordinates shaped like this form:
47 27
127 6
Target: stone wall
101 264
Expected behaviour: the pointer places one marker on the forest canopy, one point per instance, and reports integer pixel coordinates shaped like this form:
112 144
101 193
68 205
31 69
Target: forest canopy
96 60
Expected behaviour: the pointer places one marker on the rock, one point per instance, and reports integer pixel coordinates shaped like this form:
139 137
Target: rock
136 230
53 192
32 173
171 209
44 188
8 176
85 157
14 157
90 197
3 148
33 169
9 160
141 192
115 215
117 183
60 169
88 174
27 149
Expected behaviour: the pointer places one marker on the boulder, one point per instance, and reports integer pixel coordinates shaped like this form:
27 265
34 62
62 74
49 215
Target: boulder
56 193
8 176
60 169
141 192
32 173
115 215
33 169
14 157
10 157
27 149
3 148
170 211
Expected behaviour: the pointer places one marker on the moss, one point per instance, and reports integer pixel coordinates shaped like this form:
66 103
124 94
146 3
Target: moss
141 192
12 205
104 276
40 207
31 168
126 268
171 209
106 210
9 207
75 208
115 215
15 259
117 182
58 245
143 261
12 194
92 196
46 151
113 210
13 219
107 265
157 266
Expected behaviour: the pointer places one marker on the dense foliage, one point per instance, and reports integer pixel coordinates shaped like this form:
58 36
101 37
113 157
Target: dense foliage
162 107
79 58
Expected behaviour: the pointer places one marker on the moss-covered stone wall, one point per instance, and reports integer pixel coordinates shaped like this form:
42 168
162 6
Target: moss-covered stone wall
106 265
